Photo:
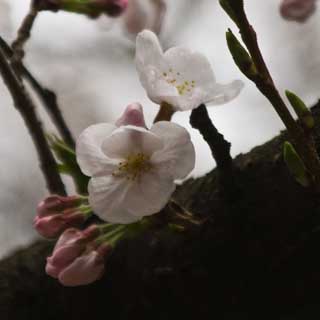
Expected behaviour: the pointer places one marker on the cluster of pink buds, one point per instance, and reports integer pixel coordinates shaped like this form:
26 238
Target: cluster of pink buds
78 258
56 213
297 10
92 8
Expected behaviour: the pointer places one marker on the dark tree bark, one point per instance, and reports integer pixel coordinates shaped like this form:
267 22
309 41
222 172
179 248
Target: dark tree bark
256 256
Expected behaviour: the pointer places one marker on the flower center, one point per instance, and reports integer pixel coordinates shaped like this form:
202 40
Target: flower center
182 85
133 166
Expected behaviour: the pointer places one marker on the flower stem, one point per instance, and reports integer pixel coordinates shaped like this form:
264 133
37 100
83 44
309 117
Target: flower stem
165 113
113 234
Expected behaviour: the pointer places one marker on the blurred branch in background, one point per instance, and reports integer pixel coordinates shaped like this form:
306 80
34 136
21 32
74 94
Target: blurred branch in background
47 96
25 106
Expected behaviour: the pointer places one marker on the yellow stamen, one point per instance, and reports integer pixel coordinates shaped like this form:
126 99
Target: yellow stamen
133 166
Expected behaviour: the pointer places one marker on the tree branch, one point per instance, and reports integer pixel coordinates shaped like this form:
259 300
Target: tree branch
23 36
48 98
264 82
220 148
24 105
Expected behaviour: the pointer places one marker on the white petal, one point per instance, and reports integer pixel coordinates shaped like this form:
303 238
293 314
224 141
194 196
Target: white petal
177 158
131 140
158 90
90 157
220 94
149 194
187 65
148 49
107 199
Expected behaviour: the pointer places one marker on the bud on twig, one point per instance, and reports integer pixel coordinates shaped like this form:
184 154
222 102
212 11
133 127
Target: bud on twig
241 56
302 111
92 8
295 164
68 164
225 4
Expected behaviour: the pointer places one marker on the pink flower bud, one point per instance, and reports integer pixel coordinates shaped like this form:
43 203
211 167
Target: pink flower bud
297 10
56 213
76 258
56 203
85 269
133 115
52 225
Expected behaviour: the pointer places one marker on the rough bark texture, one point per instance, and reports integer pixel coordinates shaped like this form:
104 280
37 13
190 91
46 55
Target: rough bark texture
256 256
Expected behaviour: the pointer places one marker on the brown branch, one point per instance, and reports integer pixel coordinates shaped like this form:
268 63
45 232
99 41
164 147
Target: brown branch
264 82
48 98
220 148
25 106
23 36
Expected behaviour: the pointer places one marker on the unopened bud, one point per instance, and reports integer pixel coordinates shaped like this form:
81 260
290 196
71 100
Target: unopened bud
133 115
91 8
302 111
229 10
240 56
295 164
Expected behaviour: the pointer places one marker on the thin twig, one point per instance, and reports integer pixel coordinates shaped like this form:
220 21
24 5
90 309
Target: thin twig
25 106
263 80
23 36
48 98
220 148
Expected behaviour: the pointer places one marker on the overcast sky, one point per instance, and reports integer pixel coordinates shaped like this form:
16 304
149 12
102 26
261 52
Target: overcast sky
90 65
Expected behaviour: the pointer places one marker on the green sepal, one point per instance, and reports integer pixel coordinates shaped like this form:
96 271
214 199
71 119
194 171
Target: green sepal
225 4
300 108
86 7
241 56
295 164
68 165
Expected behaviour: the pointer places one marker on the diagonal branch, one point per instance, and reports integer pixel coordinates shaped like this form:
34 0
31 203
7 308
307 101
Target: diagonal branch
220 148
25 106
264 82
48 98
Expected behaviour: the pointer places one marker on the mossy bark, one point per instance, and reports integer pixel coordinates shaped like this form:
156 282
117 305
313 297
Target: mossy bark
256 256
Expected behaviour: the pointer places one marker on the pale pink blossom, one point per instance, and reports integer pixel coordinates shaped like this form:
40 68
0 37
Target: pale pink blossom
133 169
179 77
297 10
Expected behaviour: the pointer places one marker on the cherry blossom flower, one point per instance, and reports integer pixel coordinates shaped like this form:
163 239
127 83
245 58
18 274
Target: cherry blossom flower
297 10
133 169
179 77
56 213
76 258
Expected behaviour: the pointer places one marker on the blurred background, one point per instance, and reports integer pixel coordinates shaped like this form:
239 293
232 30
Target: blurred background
89 64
